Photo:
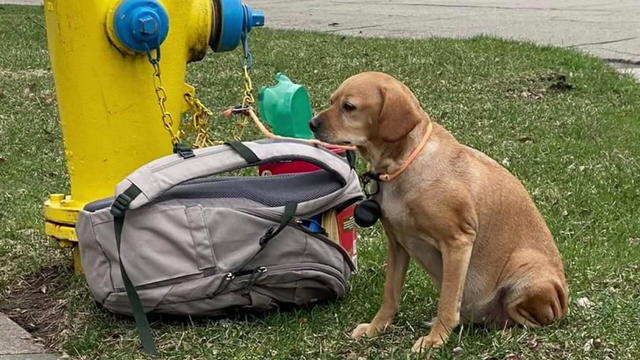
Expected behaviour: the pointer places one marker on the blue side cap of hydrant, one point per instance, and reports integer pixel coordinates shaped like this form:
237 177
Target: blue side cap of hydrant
141 25
235 18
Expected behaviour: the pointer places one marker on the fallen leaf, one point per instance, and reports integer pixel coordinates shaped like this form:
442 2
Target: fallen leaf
632 241
584 303
525 139
49 99
597 343
30 90
588 346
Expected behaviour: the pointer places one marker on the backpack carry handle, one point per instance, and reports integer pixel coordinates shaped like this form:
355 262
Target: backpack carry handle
158 176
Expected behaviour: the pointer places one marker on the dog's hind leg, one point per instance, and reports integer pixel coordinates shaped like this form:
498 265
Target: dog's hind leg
539 303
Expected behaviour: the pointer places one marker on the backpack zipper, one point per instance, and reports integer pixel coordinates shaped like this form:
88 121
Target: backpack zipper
275 269
229 277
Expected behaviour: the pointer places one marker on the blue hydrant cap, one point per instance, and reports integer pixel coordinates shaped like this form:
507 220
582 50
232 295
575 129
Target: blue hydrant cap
141 25
233 18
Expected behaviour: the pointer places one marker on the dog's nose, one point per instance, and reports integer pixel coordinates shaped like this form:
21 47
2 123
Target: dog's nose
313 124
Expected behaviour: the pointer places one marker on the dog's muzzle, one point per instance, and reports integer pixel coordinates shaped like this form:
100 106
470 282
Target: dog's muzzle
314 124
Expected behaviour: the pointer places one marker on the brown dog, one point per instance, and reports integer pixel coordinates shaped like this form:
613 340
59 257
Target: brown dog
467 220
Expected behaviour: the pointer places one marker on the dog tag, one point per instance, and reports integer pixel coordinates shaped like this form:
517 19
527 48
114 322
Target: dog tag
367 213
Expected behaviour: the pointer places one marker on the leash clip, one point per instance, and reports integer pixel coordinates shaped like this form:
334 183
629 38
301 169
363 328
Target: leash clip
370 183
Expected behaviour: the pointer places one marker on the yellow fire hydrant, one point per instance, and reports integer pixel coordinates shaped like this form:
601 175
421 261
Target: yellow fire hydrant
104 54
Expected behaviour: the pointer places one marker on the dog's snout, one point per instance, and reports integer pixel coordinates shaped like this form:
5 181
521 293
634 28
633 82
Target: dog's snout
314 124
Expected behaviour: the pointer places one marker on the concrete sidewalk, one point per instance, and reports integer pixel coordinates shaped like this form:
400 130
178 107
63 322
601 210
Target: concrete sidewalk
609 29
17 344
21 2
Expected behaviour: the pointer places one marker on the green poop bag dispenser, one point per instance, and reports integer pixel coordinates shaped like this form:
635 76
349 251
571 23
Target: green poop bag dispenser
286 107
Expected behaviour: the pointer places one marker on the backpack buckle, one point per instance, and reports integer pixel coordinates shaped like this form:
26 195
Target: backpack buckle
183 150
267 236
120 205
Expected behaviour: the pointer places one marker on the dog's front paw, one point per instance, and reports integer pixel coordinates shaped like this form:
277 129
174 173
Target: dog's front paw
368 330
426 342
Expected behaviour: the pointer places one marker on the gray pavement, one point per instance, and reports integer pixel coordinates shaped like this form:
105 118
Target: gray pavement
21 2
17 344
609 29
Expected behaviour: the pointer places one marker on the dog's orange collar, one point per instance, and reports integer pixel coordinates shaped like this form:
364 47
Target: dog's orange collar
412 157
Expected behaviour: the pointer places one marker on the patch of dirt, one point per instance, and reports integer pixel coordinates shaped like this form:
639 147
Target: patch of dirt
538 86
36 303
22 74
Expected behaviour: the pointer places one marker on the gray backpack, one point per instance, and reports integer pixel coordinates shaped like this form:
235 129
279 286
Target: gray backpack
178 241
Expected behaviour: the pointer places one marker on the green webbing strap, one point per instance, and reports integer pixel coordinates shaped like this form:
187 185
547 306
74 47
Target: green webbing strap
247 154
287 216
118 210
351 158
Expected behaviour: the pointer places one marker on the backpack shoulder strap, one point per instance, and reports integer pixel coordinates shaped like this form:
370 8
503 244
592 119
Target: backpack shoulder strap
156 177
118 210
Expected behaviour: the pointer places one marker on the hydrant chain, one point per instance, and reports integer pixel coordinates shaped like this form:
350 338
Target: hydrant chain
200 122
161 95
247 99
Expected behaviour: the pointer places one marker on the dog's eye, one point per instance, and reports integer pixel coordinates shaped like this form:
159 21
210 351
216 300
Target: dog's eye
348 107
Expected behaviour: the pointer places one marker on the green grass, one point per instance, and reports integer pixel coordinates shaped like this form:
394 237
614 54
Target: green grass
576 150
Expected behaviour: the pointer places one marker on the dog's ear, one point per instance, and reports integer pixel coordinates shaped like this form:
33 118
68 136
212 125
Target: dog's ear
399 114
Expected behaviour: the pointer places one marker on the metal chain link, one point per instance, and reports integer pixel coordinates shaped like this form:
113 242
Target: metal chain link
161 95
248 100
200 114
200 121
247 97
